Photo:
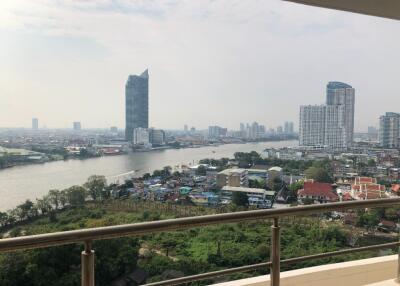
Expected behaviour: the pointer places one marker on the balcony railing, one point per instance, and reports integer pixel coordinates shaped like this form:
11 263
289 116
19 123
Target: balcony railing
86 236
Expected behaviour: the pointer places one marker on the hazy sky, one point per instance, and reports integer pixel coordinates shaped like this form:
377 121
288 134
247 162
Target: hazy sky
210 62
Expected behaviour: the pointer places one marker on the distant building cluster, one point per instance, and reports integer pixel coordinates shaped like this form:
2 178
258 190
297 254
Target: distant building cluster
217 132
332 124
257 131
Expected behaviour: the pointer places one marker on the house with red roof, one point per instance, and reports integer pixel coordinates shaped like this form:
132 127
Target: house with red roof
395 189
366 188
317 192
364 180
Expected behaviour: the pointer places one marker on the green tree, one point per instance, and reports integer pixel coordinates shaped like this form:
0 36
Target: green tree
294 187
240 199
157 173
63 198
166 171
95 186
201 170
44 204
26 210
76 195
54 196
319 175
168 244
3 218
277 184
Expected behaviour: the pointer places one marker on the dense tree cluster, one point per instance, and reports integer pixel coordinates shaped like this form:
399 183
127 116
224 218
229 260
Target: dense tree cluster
95 188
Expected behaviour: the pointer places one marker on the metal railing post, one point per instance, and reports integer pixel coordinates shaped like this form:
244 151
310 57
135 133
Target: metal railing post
275 253
87 260
398 261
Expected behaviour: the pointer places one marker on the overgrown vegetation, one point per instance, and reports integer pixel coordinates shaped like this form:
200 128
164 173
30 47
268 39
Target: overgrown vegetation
186 252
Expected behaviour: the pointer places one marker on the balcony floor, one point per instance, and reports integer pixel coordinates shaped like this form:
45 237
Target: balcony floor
378 271
385 283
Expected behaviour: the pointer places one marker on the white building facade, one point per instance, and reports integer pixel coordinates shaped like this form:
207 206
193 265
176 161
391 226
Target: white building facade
330 125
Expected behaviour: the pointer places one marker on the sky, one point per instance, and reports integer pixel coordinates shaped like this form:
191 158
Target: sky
216 62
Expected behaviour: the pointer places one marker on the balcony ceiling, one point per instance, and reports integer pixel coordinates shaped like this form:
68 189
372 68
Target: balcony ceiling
380 8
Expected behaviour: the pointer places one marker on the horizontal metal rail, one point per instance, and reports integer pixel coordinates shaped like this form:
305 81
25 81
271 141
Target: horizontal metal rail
137 229
265 265
204 276
86 236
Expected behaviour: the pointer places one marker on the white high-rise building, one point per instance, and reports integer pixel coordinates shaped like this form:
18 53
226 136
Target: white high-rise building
342 94
141 136
335 131
389 130
312 125
330 125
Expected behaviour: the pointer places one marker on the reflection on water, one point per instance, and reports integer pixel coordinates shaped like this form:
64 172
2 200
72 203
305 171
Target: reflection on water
29 182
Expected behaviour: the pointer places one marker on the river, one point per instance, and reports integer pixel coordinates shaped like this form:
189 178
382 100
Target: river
33 181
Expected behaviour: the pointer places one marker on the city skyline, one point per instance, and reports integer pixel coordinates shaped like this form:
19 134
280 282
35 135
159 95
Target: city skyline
194 79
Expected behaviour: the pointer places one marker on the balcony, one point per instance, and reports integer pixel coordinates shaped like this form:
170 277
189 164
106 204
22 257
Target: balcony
360 272
372 272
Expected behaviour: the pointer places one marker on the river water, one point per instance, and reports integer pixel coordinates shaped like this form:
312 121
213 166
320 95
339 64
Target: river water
33 181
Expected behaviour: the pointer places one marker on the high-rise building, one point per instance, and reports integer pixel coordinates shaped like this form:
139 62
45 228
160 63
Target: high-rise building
288 127
35 123
279 130
335 131
389 130
140 136
186 128
254 129
342 94
77 126
261 131
156 136
216 132
136 103
372 130
330 125
291 127
312 125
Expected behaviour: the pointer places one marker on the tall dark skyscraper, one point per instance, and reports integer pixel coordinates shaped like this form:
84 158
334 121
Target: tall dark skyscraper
136 103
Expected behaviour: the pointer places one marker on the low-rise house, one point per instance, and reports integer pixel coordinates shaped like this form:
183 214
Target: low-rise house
395 189
317 193
344 194
387 225
366 188
233 177
185 190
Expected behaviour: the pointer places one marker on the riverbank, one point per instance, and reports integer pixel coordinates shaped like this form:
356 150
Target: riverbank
40 156
30 182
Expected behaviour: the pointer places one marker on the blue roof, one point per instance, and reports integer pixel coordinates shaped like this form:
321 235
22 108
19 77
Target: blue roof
337 84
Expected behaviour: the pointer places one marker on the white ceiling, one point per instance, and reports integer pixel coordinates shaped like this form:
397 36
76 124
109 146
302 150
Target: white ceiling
381 8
